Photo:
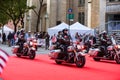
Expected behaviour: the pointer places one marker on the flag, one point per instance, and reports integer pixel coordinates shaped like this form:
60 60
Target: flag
4 56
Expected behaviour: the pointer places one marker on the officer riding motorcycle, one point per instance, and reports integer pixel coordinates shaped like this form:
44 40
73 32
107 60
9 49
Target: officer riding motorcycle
104 42
63 41
106 49
22 48
20 42
66 51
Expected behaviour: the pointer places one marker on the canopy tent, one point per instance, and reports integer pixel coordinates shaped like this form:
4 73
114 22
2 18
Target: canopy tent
56 29
81 29
6 29
79 26
76 27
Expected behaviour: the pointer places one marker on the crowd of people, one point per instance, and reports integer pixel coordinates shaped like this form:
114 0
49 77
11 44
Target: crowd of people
12 38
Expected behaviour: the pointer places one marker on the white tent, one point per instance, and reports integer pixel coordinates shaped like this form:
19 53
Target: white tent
79 26
56 29
81 29
76 27
6 30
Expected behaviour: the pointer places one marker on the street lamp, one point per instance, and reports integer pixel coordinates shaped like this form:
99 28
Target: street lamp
28 17
28 20
46 17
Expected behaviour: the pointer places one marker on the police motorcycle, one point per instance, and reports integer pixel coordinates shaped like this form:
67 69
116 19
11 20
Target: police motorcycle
113 52
74 51
28 50
33 42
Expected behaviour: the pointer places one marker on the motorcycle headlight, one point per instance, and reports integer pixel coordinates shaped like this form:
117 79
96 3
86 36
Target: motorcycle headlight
34 40
117 46
31 43
33 48
80 46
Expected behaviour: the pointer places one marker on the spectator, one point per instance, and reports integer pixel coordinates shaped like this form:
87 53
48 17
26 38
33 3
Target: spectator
12 39
47 36
3 38
53 39
9 38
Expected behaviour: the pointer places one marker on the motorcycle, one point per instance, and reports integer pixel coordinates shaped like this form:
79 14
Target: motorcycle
28 50
33 42
98 52
75 55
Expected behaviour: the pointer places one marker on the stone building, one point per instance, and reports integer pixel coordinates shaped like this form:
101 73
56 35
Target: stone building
113 16
92 13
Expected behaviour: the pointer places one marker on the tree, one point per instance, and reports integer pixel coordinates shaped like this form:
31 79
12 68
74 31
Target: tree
15 10
38 14
3 19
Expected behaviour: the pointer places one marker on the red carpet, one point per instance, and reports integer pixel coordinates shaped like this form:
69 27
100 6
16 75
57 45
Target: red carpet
42 68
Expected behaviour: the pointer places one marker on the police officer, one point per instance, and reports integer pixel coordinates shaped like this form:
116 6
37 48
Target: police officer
103 40
21 41
64 41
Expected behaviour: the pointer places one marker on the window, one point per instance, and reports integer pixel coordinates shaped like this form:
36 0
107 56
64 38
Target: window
111 0
81 3
81 17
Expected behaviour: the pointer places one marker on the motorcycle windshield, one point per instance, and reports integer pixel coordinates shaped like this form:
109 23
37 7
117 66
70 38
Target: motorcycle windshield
113 40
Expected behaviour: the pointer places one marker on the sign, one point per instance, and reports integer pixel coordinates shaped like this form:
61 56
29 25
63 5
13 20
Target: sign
70 16
70 10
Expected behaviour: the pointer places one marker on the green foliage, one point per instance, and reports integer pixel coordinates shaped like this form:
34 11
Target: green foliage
13 9
3 19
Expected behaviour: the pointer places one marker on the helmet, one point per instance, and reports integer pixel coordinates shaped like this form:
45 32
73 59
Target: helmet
104 33
65 30
59 32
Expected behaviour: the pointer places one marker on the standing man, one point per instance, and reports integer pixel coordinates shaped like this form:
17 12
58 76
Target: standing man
47 36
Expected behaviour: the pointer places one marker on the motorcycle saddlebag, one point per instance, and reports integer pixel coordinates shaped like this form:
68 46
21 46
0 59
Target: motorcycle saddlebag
110 48
93 52
15 49
54 53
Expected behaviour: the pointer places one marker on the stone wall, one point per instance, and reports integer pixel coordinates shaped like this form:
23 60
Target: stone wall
95 13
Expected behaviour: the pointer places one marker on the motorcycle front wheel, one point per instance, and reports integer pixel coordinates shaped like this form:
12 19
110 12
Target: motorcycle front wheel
18 55
117 58
57 61
80 62
32 54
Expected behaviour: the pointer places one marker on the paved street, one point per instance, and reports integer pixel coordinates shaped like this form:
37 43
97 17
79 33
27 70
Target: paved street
8 49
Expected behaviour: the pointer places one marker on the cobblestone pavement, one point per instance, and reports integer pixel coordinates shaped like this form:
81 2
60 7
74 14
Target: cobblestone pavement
9 49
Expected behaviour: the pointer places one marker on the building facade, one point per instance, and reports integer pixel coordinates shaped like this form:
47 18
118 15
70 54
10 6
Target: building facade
113 16
91 13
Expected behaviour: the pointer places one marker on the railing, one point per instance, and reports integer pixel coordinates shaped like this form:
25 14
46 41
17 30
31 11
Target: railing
113 8
113 27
